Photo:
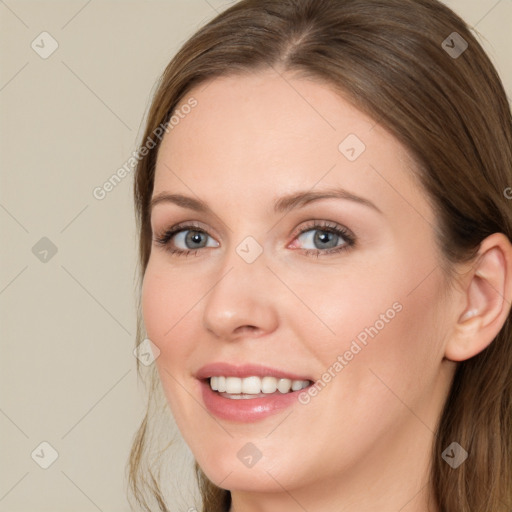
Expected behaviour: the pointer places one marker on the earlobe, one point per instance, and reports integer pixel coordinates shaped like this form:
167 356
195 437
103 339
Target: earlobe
487 297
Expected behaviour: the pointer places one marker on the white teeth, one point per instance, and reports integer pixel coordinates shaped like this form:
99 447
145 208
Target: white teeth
233 385
268 385
297 384
251 385
284 385
255 385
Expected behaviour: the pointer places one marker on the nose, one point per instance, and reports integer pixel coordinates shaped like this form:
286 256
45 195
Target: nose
242 302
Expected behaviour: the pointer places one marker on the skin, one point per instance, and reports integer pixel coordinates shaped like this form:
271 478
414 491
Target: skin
363 443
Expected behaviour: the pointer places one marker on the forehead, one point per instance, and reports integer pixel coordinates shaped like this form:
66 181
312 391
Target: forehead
264 133
238 115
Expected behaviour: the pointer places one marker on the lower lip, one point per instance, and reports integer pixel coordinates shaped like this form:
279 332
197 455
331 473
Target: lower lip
248 410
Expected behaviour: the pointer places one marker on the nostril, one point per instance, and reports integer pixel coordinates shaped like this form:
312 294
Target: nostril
244 328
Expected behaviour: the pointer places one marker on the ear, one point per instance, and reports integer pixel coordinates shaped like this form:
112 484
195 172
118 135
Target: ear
488 297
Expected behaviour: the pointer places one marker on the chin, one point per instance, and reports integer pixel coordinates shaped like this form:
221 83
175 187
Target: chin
256 479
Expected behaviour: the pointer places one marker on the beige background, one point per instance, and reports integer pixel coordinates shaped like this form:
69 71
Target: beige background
67 123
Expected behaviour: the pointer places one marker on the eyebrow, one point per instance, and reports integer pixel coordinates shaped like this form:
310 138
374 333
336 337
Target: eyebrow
283 204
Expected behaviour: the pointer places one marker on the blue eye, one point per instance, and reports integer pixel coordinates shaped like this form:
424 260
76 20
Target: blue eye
321 238
324 236
190 236
192 239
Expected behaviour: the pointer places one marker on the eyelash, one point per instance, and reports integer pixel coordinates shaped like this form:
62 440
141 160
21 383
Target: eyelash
324 226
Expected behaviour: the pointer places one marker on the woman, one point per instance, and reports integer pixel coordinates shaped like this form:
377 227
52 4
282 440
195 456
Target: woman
326 262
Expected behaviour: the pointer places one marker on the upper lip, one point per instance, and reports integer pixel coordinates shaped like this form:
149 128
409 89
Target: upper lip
246 370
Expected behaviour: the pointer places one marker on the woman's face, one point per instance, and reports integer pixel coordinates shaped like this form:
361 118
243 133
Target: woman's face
343 290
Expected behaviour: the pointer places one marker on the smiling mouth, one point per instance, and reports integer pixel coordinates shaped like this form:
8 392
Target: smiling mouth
254 387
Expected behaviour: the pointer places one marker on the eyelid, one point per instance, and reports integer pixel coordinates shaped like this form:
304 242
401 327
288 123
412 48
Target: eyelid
310 224
183 226
320 224
350 240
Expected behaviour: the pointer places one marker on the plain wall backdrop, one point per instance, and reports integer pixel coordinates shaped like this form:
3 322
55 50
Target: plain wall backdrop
70 116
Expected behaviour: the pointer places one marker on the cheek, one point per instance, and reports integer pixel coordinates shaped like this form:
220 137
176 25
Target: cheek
154 301
167 309
380 364
385 319
164 303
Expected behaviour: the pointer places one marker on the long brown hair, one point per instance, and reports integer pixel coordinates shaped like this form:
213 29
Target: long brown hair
400 62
